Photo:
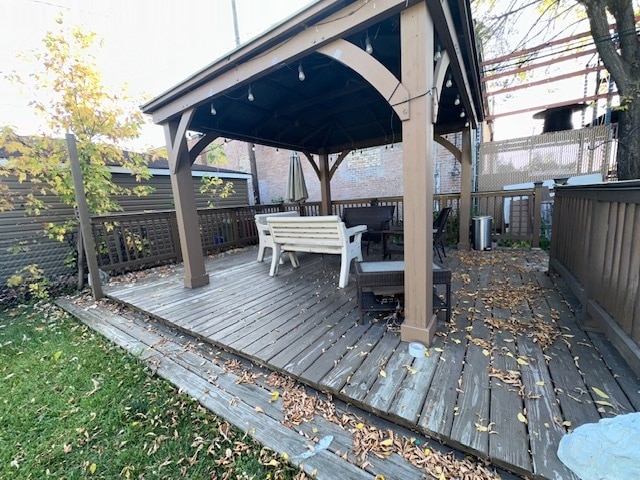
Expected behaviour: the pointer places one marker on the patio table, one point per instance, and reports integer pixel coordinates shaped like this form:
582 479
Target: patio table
374 279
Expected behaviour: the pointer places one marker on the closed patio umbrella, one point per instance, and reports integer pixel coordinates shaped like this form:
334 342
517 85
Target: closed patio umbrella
296 186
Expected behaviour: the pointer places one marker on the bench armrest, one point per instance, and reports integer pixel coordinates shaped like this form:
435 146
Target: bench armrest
351 231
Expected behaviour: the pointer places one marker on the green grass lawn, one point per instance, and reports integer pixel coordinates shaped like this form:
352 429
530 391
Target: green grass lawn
73 405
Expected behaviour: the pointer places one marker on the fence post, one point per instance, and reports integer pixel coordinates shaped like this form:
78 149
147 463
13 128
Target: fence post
537 214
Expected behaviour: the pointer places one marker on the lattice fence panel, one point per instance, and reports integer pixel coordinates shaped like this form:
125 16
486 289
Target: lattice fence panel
543 157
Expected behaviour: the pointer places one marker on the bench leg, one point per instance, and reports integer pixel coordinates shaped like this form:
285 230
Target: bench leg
261 250
345 264
275 261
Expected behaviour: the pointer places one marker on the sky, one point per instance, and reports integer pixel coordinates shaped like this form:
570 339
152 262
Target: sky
151 45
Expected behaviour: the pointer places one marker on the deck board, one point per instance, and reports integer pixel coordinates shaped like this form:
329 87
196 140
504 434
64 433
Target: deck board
471 423
299 323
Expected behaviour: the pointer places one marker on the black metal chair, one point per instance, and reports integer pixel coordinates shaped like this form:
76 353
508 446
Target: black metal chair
376 218
439 225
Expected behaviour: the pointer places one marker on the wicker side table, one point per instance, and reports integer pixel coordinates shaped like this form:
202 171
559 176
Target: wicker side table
389 276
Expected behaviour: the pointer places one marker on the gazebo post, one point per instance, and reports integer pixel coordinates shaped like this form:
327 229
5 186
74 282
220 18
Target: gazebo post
465 191
417 38
325 184
185 201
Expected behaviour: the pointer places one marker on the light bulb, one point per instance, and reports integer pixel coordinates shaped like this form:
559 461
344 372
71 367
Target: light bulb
466 124
462 114
213 110
457 100
448 83
301 75
437 55
367 45
250 95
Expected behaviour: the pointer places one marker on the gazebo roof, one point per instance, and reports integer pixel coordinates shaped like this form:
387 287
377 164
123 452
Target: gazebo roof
334 108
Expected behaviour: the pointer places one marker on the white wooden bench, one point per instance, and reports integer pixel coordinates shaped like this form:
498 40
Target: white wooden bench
323 234
264 236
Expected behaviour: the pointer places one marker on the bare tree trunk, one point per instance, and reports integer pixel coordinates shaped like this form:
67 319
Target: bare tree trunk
629 142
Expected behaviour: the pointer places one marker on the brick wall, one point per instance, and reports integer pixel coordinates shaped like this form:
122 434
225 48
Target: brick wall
372 172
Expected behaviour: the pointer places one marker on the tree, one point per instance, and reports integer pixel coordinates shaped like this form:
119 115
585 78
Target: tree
620 53
522 23
68 93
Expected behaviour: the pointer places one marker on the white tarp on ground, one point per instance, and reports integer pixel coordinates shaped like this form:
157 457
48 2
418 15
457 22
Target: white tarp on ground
609 449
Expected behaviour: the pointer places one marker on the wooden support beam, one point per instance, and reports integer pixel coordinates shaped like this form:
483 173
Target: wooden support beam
416 27
185 201
373 71
325 184
449 146
465 191
448 35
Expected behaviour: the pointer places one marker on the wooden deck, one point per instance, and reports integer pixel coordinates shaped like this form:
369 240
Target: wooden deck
504 380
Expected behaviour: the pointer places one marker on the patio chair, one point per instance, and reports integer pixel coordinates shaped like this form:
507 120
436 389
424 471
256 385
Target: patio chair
439 226
264 236
376 218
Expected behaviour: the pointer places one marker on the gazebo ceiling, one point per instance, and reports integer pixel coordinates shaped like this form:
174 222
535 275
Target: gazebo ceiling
334 108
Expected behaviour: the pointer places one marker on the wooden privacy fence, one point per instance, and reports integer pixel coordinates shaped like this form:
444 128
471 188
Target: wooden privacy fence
131 241
595 247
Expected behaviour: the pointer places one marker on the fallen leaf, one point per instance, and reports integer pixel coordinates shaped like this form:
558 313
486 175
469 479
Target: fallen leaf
410 369
599 392
485 352
274 396
522 418
522 361
259 409
438 350
566 423
387 442
92 468
606 404
540 383
383 373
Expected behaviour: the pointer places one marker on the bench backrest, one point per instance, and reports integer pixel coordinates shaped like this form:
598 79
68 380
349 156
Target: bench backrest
327 230
261 218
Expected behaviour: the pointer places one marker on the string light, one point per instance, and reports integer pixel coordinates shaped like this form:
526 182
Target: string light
457 100
367 45
213 109
250 95
448 83
301 75
466 124
438 54
463 114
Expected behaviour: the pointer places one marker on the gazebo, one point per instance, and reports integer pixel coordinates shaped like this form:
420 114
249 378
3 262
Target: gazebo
337 76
